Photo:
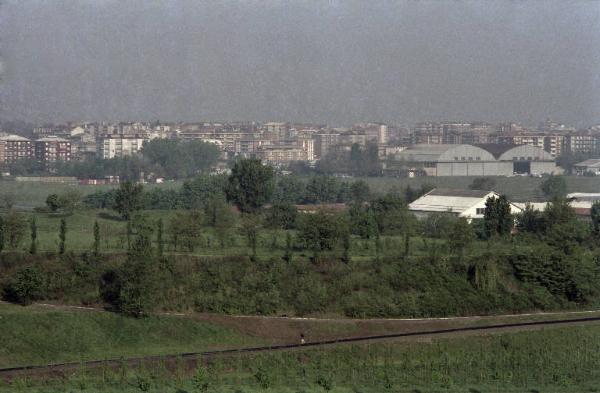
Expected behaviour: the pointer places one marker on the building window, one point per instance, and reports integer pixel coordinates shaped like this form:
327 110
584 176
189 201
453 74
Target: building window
478 158
462 159
480 211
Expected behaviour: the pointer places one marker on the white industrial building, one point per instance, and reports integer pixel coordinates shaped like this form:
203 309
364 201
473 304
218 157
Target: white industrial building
462 203
478 160
591 166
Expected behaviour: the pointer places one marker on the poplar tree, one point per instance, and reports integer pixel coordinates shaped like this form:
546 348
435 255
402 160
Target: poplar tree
96 238
159 237
2 227
62 235
33 227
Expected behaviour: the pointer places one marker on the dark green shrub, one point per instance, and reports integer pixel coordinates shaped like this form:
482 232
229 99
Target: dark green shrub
27 285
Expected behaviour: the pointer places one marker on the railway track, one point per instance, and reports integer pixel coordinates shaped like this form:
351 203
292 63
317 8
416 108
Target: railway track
193 358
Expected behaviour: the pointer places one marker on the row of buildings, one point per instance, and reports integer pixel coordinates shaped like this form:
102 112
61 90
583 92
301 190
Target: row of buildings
283 142
47 149
274 142
553 137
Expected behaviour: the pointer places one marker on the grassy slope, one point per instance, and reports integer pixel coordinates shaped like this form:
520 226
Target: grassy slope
38 336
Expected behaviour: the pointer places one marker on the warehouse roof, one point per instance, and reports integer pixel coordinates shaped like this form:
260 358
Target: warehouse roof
495 149
591 163
449 200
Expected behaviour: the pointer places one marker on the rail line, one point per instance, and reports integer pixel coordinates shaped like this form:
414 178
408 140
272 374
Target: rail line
58 368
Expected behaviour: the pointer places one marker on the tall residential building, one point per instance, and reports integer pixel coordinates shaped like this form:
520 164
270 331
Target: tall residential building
552 143
111 146
2 149
582 142
279 129
51 149
16 148
428 133
324 141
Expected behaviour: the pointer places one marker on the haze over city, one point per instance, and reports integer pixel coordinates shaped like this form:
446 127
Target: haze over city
335 62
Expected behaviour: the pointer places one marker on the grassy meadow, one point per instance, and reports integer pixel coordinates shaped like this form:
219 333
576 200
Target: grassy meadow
113 236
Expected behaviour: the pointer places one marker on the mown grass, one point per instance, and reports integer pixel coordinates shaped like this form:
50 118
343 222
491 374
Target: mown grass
36 335
554 360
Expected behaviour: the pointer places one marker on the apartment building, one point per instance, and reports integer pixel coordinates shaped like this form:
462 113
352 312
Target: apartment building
111 146
323 142
281 154
16 148
582 142
52 148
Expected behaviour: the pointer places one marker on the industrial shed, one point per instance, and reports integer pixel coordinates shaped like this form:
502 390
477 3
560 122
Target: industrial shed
463 203
477 160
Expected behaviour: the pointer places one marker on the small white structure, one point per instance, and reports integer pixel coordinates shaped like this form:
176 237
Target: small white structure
462 203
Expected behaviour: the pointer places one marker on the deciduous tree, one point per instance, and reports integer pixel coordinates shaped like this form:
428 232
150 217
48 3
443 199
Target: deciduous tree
251 185
128 199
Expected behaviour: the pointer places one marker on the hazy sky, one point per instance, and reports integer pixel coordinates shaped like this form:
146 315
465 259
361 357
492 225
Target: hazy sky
336 62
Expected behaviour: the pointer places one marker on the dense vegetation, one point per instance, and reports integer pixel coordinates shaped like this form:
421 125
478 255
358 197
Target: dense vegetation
371 259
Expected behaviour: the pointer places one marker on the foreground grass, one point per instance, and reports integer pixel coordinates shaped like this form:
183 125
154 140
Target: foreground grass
32 335
553 360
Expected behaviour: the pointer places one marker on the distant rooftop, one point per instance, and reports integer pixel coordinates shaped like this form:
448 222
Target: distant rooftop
51 138
14 138
592 162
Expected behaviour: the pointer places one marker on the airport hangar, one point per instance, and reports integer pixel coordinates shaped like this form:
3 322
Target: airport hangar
478 160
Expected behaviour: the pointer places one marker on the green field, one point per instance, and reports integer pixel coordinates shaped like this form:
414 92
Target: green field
37 335
32 194
553 360
113 235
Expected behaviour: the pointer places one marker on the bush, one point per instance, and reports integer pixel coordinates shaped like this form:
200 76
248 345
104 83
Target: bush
27 285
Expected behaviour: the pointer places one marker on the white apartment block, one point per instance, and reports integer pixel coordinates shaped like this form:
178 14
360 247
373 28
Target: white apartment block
111 146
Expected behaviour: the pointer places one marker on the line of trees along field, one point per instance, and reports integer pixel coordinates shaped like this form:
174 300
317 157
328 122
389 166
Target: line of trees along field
373 259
